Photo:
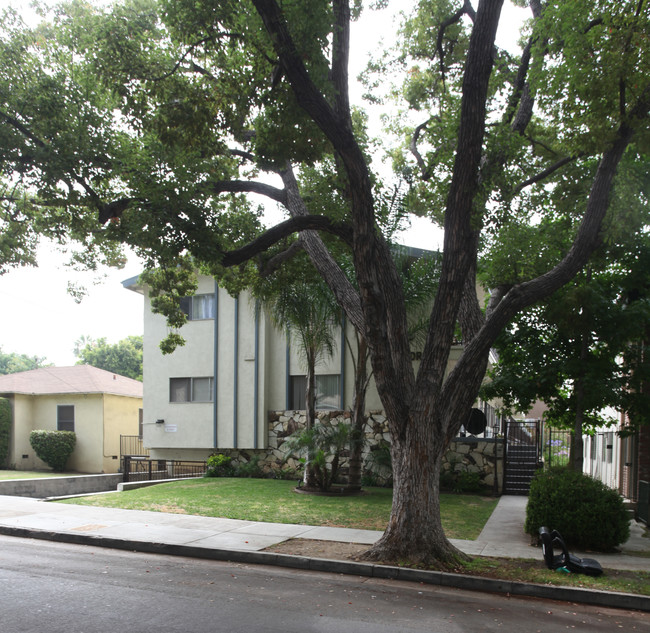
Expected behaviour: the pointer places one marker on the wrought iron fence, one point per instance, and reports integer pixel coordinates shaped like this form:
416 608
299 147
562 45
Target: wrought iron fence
557 447
144 469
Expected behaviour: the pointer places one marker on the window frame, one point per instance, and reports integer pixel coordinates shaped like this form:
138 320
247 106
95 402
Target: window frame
189 308
190 389
65 424
299 398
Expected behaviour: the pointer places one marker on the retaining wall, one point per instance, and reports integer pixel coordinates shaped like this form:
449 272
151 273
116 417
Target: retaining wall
60 486
470 454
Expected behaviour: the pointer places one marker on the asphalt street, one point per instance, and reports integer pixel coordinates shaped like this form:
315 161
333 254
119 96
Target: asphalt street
49 587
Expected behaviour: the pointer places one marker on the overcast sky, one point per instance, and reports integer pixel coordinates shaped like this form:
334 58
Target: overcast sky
38 316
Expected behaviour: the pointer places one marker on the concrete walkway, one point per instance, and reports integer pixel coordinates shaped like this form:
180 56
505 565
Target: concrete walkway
229 539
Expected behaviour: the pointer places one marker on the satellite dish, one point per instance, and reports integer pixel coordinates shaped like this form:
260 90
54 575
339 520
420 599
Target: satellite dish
477 422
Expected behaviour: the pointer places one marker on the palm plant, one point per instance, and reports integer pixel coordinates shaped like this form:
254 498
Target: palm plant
305 308
319 448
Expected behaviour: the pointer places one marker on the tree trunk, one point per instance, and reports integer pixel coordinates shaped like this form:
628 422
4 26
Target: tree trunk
358 417
416 502
309 478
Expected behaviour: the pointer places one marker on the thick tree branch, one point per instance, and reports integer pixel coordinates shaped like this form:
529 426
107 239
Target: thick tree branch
190 49
337 126
345 293
243 154
340 57
521 103
278 260
466 9
545 173
461 232
245 186
279 232
425 171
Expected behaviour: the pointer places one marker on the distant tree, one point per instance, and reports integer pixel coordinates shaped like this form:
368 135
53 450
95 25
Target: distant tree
12 363
123 357
82 342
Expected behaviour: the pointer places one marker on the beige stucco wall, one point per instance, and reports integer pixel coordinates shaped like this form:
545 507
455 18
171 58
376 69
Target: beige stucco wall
121 417
19 439
99 420
186 425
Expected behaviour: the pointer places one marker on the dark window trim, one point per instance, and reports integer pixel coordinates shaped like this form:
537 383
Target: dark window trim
186 306
65 423
190 389
298 399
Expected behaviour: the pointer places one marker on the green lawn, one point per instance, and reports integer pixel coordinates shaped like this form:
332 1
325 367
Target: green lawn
275 501
31 474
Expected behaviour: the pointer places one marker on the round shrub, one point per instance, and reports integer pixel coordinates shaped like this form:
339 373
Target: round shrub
53 447
588 514
219 465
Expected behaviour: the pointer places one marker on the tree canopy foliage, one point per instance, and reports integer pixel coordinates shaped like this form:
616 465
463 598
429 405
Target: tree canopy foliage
123 358
11 362
160 123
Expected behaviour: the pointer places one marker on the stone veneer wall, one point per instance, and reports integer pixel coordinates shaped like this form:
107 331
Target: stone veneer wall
473 455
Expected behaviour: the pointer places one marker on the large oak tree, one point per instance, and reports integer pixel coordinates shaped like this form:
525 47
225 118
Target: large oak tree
149 124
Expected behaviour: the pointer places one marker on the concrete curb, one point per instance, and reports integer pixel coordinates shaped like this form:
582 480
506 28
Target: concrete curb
472 583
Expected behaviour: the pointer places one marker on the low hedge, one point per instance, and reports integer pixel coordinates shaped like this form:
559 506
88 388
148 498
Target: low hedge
53 447
588 514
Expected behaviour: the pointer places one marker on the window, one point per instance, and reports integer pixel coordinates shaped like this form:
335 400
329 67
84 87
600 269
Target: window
198 307
610 446
190 389
327 392
65 417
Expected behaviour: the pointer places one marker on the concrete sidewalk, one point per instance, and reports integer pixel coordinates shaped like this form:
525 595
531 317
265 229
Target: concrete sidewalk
242 541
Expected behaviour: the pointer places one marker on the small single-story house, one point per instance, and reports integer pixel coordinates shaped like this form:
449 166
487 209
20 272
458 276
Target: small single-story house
97 405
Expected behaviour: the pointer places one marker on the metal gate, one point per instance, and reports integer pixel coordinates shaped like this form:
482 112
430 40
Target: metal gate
522 456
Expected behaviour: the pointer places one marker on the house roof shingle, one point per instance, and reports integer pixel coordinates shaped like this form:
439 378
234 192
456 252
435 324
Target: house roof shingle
77 379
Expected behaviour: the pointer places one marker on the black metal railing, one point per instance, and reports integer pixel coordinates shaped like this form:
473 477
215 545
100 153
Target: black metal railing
135 468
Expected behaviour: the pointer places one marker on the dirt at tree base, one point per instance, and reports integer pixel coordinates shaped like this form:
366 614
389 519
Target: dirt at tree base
521 570
333 550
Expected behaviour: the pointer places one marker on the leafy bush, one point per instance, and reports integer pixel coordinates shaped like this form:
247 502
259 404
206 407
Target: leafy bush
468 482
447 480
53 447
588 514
5 428
251 468
286 474
463 481
219 465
